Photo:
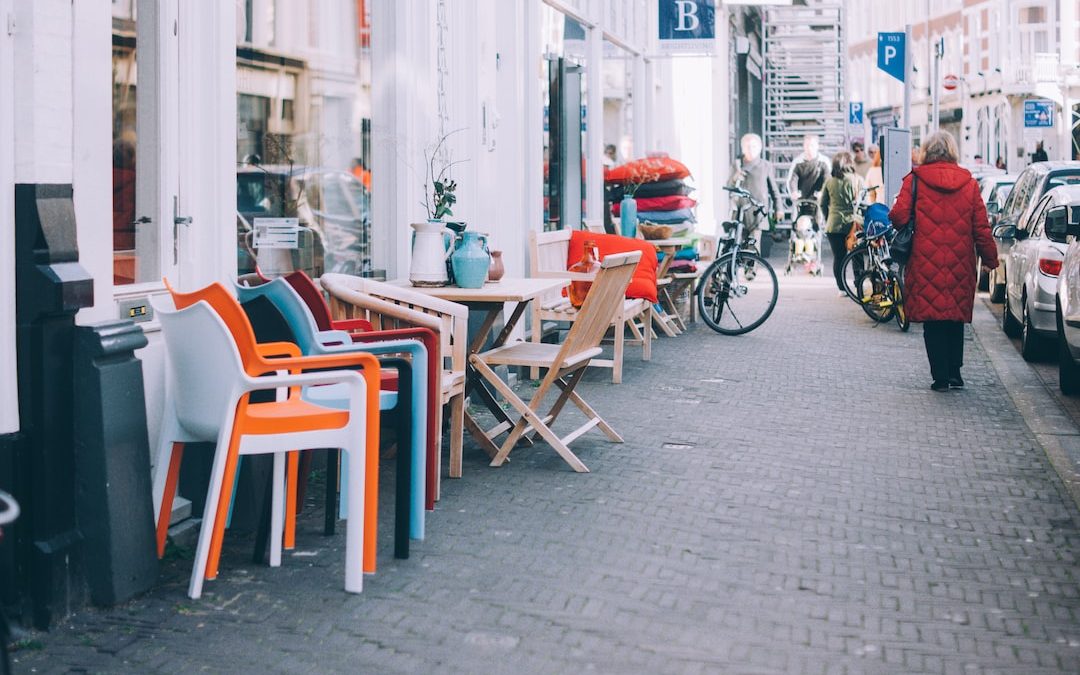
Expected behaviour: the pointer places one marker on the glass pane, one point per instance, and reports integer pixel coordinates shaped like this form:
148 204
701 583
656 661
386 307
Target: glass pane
303 143
127 265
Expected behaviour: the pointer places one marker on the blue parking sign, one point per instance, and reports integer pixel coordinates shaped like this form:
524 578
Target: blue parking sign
855 112
890 53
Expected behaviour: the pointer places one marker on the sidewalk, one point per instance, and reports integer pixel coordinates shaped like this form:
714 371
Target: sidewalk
794 500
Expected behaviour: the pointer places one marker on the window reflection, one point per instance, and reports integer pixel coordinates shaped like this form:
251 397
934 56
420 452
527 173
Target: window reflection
303 149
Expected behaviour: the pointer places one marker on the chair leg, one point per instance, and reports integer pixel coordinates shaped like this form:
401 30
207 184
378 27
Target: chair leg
277 507
620 343
403 480
457 433
439 417
355 527
536 336
330 516
576 399
200 568
646 348
232 458
168 492
292 478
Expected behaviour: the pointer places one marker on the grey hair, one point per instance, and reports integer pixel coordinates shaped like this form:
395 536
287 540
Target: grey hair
940 147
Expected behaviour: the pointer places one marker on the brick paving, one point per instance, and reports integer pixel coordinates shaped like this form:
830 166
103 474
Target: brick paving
794 500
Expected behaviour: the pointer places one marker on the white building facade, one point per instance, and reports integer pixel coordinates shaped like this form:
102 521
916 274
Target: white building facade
1002 52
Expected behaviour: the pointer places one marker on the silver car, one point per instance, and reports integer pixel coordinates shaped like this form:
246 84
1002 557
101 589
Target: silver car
1032 268
1064 226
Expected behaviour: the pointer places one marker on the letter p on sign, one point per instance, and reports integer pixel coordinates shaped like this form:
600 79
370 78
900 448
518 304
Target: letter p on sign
890 54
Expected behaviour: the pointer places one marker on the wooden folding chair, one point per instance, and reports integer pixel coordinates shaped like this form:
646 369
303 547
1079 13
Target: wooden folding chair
566 364
547 257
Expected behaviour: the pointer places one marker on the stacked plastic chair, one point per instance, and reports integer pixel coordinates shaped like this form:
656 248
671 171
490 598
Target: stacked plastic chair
214 363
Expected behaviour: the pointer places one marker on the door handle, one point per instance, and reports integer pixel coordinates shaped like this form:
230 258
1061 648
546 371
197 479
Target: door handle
144 220
177 218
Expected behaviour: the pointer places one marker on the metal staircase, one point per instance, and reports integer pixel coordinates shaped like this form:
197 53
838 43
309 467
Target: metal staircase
805 58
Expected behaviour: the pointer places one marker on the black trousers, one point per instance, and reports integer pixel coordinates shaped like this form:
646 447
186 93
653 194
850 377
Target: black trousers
944 348
837 242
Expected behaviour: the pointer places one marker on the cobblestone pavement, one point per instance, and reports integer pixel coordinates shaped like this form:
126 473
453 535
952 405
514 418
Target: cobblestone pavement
794 500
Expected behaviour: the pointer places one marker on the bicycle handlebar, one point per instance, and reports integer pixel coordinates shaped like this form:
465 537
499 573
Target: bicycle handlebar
740 192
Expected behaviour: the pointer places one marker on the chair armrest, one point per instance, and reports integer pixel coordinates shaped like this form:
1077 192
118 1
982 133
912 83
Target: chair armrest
350 325
300 380
345 359
334 337
274 349
572 276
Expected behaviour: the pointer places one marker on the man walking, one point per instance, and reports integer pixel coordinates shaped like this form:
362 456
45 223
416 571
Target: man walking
756 175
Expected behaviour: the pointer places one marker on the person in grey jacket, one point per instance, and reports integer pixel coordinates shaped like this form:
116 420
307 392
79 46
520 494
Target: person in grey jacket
756 175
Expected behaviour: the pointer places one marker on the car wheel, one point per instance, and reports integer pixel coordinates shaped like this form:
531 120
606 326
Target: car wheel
1009 325
1068 370
996 284
1032 345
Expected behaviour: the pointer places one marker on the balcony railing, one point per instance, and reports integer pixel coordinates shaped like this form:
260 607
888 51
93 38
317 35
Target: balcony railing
1038 68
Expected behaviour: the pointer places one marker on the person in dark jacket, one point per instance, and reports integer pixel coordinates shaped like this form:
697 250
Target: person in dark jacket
950 228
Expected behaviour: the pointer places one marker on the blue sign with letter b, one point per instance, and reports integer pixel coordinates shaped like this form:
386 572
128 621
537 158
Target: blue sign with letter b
687 19
890 53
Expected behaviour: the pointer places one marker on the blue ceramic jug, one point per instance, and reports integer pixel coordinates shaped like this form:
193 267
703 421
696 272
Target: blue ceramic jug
470 261
628 217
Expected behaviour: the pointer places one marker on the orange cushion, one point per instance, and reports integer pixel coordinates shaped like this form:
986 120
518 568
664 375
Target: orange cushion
647 170
643 283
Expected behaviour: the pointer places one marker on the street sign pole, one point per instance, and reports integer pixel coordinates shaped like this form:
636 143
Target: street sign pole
907 76
939 51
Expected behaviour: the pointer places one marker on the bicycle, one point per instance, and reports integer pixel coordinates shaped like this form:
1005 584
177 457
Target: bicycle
879 287
860 257
738 291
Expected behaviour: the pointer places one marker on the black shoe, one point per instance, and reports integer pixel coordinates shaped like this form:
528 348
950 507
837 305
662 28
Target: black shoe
940 385
956 382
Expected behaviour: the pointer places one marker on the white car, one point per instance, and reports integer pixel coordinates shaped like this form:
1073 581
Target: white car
1064 226
1032 268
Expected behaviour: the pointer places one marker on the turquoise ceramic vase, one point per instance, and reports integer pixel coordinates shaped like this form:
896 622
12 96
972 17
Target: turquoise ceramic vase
628 217
470 261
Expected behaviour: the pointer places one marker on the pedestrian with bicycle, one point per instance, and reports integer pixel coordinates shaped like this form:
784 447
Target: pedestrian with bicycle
755 174
943 204
839 196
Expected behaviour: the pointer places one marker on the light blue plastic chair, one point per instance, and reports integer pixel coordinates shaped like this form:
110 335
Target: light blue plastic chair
312 341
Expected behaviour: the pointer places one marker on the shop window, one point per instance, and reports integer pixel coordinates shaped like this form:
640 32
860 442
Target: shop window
302 146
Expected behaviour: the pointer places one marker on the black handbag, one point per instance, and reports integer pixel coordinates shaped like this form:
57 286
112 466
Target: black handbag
900 248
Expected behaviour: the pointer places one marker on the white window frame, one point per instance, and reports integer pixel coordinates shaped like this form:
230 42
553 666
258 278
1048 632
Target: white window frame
9 392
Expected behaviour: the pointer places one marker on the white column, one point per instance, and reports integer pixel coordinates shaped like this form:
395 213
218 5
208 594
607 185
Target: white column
9 395
594 117
92 150
1068 57
403 114
640 106
207 148
530 69
515 198
649 142
721 103
43 82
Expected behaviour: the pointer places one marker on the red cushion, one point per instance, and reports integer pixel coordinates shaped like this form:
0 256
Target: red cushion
648 170
643 283
668 203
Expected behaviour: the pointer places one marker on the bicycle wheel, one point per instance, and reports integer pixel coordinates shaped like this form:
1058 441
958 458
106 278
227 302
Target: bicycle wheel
900 314
737 305
854 263
876 301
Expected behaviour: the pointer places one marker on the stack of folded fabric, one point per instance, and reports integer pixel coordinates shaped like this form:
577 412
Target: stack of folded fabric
658 186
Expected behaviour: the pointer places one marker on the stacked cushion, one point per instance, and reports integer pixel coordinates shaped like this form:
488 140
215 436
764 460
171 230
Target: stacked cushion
659 190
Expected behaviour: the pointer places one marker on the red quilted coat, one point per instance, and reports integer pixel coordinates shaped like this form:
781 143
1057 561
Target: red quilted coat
950 226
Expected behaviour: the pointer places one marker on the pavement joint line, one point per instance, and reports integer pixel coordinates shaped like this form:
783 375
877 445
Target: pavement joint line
1030 397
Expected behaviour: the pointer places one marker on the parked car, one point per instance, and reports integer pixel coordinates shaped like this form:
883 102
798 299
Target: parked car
1033 183
1064 226
333 207
995 189
1031 277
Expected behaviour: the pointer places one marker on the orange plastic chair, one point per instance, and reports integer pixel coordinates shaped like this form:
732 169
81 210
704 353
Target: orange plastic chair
209 399
261 359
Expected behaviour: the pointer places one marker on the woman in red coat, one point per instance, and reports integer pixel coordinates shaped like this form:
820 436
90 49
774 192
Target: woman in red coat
950 227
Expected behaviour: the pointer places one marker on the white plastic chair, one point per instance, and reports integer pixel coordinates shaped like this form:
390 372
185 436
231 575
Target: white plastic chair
207 401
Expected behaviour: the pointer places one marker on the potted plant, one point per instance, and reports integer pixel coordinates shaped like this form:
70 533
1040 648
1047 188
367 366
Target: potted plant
430 249
628 205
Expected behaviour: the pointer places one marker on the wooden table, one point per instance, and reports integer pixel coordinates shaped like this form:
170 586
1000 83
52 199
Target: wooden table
490 300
